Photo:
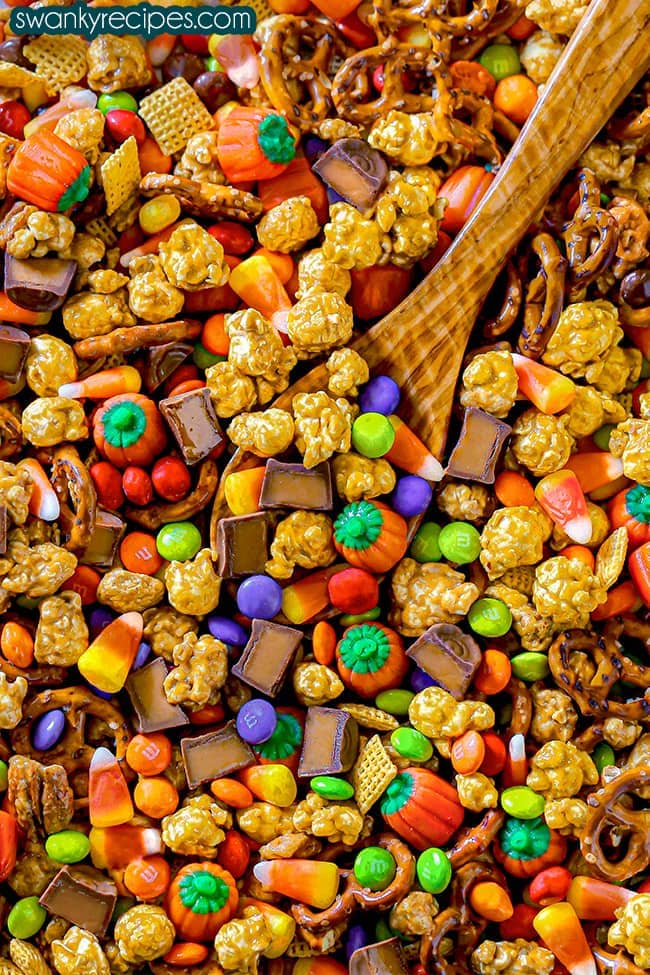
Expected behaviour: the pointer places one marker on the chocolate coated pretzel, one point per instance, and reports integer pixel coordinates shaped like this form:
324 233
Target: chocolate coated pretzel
544 297
77 497
607 811
591 236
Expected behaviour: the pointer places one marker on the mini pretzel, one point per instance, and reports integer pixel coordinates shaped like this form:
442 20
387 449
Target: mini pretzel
11 434
606 812
522 707
473 841
45 675
470 44
355 896
71 751
285 65
591 236
204 199
618 964
77 497
611 666
475 136
633 232
513 298
136 337
544 297
388 17
156 515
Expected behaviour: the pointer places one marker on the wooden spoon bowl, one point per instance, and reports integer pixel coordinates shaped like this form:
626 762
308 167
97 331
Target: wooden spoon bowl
421 343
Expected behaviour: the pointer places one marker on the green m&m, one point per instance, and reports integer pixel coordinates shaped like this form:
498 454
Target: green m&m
67 846
26 918
530 666
178 541
425 547
374 868
116 99
460 542
395 701
603 755
411 744
501 60
522 803
372 434
434 870
489 617
331 787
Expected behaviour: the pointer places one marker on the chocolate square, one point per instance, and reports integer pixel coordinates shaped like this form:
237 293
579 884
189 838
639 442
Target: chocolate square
330 743
267 656
383 958
242 545
479 446
162 361
106 536
152 709
296 486
14 346
215 754
82 896
448 655
38 283
194 423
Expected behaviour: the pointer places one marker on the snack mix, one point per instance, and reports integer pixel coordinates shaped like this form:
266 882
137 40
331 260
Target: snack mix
279 693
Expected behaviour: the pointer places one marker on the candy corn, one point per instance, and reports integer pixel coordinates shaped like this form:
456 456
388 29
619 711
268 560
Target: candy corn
102 385
256 283
115 847
516 767
10 312
109 799
242 490
560 927
309 596
562 498
108 659
159 48
546 389
491 901
595 900
271 783
595 469
237 56
43 501
313 882
409 453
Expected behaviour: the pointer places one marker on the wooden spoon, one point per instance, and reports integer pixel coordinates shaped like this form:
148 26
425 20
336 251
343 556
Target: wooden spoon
421 343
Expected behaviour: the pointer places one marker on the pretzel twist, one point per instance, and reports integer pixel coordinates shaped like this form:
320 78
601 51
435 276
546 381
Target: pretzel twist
591 236
607 811
544 297
203 199
77 497
355 896
473 841
513 297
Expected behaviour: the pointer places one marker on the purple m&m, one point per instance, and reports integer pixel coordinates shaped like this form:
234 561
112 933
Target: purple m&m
380 395
419 679
47 730
229 632
259 597
141 656
256 721
412 496
357 937
98 620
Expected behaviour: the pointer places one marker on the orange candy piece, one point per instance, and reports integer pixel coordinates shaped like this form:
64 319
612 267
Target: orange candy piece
242 490
148 879
562 932
156 796
493 673
232 793
410 454
149 754
546 388
313 882
138 553
324 642
109 799
107 661
491 901
186 953
513 489
17 644
467 753
595 469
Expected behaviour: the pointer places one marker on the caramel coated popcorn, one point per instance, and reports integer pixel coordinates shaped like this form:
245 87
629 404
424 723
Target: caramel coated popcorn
534 629
476 792
165 628
53 420
590 410
79 953
50 363
409 211
83 129
351 241
414 915
490 383
256 350
143 933
230 390
323 426
620 733
557 16
12 695
347 371
631 930
117 63
126 591
200 160
465 502
334 822
193 587
559 770
586 332
61 634
200 671
240 942
303 538
15 491
512 537
316 273
541 442
265 434
554 716
88 314
630 441
567 816
427 593
37 571
151 296
567 590
436 714
315 684
408 139
197 828
518 957
358 477
42 234
289 226
318 322
540 54
264 822
193 259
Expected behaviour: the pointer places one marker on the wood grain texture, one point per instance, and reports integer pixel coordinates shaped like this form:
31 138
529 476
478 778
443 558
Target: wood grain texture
421 343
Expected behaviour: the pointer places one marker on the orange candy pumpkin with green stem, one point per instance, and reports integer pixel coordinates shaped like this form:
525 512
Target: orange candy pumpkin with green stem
49 173
254 143
524 847
370 658
422 808
128 429
371 536
202 897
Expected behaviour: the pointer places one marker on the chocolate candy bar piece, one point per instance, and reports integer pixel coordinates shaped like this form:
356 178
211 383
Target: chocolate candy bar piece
267 656
354 170
448 655
38 283
330 743
152 709
383 958
479 446
14 346
162 361
295 486
82 896
107 535
242 545
193 421
215 754
3 529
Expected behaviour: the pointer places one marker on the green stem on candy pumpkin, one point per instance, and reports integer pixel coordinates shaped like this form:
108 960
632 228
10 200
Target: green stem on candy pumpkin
203 893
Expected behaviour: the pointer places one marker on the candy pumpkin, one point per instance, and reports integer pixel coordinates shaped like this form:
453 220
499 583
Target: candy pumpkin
524 847
631 509
284 745
422 808
128 429
202 897
254 143
48 172
370 535
370 658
